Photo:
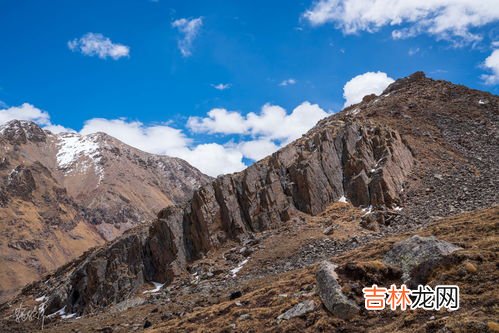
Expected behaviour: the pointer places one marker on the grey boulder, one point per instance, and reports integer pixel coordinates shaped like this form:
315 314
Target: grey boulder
417 256
298 310
330 292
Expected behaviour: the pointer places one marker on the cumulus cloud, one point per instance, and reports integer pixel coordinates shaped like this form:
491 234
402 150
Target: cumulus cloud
272 122
189 29
25 111
257 149
212 159
365 84
29 112
491 63
446 19
261 133
287 82
95 44
218 121
221 86
157 139
58 129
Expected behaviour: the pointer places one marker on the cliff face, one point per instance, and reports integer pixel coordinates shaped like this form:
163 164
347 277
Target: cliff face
365 163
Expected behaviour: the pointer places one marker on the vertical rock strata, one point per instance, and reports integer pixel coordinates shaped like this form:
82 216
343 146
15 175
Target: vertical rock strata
367 164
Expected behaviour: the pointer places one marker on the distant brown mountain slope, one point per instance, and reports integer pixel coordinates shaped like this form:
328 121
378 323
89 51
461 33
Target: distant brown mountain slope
62 194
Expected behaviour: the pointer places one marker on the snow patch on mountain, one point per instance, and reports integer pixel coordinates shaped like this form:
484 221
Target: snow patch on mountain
80 152
343 199
240 266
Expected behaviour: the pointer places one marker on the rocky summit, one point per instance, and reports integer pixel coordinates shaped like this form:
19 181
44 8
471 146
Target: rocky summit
400 188
61 194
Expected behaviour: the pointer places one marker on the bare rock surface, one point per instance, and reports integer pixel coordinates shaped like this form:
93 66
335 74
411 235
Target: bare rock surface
298 310
330 292
417 255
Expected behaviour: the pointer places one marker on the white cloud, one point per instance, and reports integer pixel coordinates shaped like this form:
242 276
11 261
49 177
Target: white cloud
287 82
95 44
446 19
491 63
221 86
157 139
218 121
257 149
365 84
29 112
272 122
58 129
214 159
25 111
269 129
189 29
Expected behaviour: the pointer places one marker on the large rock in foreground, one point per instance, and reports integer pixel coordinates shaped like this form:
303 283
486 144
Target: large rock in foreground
330 292
417 256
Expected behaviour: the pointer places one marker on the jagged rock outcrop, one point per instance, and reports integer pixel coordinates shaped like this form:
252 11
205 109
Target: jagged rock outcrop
109 275
367 163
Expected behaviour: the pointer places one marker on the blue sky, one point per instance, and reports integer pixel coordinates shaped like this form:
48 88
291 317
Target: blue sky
161 61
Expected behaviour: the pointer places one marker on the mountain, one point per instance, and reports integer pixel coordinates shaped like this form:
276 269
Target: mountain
241 255
61 194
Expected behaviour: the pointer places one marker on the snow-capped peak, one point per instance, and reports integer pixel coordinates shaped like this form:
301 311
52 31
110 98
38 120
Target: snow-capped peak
22 130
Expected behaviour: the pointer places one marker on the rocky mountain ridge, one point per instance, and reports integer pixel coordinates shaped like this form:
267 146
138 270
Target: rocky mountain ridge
77 192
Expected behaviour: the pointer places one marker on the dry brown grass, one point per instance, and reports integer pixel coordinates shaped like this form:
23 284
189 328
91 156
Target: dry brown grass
266 298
